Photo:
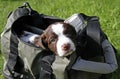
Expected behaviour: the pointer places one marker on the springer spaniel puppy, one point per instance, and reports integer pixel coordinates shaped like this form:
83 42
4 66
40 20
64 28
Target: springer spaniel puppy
59 37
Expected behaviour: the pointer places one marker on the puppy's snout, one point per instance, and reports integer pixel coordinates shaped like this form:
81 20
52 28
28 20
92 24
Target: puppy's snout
65 47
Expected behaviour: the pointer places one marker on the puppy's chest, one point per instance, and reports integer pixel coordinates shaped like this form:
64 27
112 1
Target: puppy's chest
59 66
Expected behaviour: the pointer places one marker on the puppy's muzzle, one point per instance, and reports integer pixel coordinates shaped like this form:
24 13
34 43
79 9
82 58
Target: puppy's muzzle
66 47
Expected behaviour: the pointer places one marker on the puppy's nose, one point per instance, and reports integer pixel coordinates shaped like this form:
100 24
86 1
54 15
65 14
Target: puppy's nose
65 47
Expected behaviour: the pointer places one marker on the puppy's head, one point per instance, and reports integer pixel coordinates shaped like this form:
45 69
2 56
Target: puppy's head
59 37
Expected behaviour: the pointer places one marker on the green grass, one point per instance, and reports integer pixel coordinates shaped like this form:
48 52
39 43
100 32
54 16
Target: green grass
107 10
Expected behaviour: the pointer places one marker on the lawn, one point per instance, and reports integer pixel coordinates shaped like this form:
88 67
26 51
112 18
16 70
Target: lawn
107 10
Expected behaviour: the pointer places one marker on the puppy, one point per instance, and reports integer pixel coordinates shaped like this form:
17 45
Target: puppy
59 37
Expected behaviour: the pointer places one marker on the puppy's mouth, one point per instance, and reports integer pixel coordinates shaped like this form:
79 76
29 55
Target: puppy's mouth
65 53
68 52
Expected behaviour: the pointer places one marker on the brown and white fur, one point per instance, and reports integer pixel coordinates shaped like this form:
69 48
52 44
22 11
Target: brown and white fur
59 37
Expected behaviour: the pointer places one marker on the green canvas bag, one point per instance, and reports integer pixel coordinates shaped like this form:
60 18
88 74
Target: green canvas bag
25 61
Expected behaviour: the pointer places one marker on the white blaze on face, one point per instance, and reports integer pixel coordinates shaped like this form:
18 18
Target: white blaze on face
62 39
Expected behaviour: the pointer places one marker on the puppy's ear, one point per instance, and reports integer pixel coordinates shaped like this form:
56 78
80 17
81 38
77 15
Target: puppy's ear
40 41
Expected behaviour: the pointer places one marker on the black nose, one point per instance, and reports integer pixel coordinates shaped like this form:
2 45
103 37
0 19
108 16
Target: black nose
65 47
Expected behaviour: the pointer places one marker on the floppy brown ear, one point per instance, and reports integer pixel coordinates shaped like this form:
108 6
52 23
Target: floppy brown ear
40 41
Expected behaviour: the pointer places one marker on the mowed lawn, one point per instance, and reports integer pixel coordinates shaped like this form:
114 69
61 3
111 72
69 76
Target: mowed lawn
107 10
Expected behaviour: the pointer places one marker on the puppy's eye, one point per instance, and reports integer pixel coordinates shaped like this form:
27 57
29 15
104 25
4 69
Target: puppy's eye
52 40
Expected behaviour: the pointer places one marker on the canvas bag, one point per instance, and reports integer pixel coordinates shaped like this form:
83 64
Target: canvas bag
27 61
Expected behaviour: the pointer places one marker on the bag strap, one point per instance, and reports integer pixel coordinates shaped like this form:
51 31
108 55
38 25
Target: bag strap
12 55
92 27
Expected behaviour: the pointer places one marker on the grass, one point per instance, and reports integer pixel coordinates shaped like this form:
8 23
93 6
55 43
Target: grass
107 10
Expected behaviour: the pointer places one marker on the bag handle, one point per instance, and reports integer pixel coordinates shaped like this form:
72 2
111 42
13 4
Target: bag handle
27 5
